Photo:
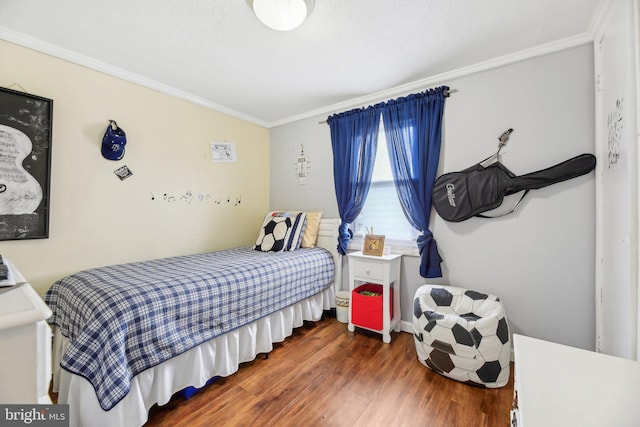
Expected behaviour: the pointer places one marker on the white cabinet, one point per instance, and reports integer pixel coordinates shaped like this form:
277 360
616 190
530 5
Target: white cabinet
558 385
382 270
25 345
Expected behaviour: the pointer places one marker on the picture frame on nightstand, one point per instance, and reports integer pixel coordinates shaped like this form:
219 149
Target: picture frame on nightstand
373 244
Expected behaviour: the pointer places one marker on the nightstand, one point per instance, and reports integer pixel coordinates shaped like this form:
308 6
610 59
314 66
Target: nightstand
382 270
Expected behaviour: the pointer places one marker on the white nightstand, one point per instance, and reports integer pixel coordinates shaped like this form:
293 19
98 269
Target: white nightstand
382 270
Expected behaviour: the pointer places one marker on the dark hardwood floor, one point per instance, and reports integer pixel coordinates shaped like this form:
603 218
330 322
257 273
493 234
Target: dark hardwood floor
324 375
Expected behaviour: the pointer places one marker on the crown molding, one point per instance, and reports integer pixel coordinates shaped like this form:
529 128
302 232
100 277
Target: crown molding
444 78
88 62
418 85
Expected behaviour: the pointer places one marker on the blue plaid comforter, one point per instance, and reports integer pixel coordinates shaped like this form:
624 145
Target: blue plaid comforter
123 319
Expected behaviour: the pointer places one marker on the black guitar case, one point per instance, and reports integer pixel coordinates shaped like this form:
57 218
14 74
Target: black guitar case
461 195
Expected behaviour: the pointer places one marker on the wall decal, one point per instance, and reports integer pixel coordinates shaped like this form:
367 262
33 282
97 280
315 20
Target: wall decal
189 196
614 126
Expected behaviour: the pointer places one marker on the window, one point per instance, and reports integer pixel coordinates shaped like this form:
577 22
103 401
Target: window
382 209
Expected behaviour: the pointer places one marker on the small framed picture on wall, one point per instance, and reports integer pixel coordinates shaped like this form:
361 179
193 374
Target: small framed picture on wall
223 152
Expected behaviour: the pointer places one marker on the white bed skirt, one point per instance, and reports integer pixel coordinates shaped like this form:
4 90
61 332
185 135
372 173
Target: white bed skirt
220 356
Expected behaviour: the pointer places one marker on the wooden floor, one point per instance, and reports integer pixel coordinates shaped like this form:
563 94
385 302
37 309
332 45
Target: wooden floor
324 375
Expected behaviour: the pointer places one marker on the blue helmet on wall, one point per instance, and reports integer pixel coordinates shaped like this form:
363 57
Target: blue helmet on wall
113 142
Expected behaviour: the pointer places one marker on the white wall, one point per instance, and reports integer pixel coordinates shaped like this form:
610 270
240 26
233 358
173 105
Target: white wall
540 260
95 218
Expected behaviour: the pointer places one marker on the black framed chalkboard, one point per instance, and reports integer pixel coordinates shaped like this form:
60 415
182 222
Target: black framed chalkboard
25 165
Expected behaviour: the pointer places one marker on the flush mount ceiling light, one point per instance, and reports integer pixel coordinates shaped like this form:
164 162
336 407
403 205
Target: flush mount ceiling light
281 15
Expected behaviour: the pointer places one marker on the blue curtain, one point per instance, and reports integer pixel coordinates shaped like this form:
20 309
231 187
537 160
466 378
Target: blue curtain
354 138
413 131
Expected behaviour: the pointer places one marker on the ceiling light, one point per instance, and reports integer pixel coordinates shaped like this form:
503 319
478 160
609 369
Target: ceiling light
281 15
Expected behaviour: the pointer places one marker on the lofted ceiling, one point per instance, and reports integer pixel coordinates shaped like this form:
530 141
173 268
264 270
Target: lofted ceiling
216 52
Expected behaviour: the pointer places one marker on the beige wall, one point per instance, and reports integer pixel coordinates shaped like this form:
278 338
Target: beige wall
96 219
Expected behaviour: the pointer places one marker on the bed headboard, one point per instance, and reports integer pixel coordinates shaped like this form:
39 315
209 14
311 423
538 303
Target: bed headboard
328 239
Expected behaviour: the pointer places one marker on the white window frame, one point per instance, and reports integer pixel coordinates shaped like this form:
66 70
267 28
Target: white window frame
401 246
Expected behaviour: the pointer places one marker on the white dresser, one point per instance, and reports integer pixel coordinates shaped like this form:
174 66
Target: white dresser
25 344
557 385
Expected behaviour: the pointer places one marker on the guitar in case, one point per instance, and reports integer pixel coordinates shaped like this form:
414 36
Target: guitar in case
458 196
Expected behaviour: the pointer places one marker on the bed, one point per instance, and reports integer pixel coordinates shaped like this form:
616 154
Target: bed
119 347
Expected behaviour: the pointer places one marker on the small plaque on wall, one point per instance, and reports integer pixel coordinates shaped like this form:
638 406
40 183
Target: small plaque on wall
123 172
223 152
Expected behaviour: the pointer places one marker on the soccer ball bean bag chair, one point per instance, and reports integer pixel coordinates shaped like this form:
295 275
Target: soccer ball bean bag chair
462 334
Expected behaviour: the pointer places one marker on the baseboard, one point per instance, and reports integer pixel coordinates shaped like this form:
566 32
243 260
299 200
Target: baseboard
406 326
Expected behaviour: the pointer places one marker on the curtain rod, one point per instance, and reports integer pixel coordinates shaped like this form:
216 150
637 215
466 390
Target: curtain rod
446 95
